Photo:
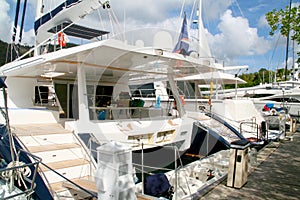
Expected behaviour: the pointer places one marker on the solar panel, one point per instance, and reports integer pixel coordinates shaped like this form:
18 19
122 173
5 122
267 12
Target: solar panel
77 31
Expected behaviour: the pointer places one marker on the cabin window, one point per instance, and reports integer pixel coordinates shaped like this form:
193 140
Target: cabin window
187 89
103 96
145 90
99 97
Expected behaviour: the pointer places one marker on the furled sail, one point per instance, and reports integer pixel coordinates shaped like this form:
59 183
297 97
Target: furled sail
204 49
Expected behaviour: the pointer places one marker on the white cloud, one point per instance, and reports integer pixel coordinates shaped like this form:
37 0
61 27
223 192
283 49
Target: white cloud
236 38
257 7
214 9
28 37
5 22
262 21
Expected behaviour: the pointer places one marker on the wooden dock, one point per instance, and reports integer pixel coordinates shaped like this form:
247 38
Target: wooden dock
276 175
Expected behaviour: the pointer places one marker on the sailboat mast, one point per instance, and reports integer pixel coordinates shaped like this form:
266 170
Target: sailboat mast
38 14
287 43
39 9
13 50
199 20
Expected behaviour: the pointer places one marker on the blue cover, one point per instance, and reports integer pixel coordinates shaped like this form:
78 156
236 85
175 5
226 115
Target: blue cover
270 105
41 190
45 18
157 185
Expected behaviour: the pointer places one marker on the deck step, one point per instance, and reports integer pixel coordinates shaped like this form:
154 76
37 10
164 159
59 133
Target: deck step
63 185
39 129
84 183
60 150
61 155
54 147
64 164
50 139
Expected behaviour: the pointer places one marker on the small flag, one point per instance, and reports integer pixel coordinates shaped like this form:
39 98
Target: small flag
182 45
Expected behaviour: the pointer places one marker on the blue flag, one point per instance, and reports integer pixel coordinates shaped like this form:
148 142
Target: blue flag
182 45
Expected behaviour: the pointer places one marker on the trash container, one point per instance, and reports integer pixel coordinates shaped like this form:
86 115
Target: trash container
238 163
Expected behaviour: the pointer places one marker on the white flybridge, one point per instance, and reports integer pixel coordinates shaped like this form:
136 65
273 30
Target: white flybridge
64 17
62 103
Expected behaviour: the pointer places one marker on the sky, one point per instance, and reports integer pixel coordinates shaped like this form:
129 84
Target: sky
236 30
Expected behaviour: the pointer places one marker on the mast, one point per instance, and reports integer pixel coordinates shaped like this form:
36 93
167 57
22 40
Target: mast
38 13
12 57
199 20
287 43
22 25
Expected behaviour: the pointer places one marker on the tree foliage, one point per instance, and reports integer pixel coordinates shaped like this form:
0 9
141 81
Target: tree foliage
260 77
287 21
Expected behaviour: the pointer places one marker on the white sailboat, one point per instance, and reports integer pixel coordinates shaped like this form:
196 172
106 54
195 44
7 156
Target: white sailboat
60 103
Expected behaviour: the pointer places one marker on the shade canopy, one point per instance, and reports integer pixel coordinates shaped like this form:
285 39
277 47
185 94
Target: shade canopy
215 77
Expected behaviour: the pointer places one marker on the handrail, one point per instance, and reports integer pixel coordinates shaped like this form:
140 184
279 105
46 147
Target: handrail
129 112
83 189
251 123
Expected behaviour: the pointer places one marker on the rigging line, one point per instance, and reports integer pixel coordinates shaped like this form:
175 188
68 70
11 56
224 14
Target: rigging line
192 13
111 24
113 19
100 18
180 23
118 24
239 8
274 49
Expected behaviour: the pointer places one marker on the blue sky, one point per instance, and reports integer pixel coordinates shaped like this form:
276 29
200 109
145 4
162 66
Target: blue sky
237 31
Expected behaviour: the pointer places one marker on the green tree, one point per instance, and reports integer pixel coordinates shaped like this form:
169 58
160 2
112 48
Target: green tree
286 21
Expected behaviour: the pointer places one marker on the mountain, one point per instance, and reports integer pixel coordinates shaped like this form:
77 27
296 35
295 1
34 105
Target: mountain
5 52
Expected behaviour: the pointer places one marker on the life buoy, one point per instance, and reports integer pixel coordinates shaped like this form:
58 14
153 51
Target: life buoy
61 39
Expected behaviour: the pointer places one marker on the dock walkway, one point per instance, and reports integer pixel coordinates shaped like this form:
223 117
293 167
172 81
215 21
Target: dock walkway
277 176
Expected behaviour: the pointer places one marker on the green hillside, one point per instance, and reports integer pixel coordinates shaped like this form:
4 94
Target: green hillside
5 52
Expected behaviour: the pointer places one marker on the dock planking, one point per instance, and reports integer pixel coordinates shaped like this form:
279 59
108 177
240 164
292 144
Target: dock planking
277 175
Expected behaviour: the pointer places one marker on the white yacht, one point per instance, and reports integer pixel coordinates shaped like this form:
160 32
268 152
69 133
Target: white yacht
62 103
281 94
